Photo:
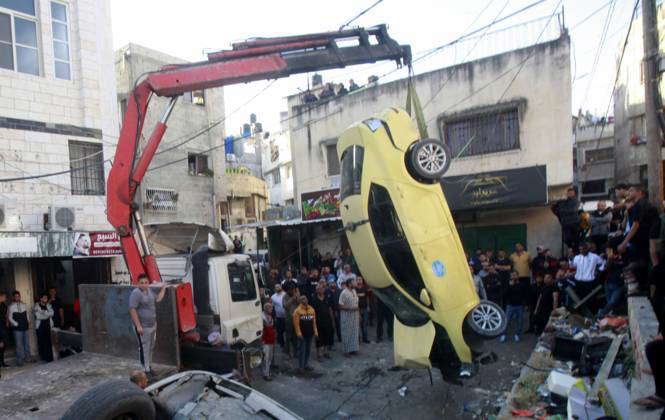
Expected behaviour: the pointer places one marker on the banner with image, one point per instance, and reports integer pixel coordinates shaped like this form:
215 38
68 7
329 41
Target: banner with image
96 244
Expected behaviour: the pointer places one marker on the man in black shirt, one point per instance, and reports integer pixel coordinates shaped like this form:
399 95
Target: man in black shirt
548 300
567 211
642 215
363 299
58 311
515 297
503 269
493 286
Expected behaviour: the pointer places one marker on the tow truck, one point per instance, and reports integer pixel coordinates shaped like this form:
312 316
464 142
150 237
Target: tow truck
105 324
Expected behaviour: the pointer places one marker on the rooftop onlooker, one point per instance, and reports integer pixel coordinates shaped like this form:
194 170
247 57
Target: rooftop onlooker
327 92
341 90
353 86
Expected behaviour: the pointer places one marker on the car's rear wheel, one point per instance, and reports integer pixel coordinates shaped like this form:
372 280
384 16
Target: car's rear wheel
429 159
487 319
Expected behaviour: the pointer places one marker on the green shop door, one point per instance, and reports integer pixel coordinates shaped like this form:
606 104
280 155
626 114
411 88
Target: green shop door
492 237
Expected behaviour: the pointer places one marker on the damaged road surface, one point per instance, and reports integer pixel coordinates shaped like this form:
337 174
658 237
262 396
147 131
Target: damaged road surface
46 391
368 386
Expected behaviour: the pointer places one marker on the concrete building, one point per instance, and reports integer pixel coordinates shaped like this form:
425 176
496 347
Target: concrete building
512 143
594 158
278 168
58 111
181 191
629 116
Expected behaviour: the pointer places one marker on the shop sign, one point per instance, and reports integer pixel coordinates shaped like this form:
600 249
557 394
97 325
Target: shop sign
96 244
497 189
320 204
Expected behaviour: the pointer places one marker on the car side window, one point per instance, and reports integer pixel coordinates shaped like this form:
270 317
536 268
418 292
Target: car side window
352 169
391 241
406 311
241 283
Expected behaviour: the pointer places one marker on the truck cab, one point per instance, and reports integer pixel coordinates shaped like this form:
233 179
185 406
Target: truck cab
226 294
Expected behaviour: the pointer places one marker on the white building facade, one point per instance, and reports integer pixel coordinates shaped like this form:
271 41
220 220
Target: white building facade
58 114
505 117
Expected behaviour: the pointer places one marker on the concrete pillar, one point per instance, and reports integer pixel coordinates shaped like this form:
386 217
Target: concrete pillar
23 282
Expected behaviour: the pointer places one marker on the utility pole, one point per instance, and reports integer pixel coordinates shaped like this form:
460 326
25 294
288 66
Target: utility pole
654 137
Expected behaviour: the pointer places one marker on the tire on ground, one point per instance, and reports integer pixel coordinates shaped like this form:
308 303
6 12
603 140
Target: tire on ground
488 327
110 400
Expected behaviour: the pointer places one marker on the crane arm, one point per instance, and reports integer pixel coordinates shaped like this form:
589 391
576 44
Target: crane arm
247 61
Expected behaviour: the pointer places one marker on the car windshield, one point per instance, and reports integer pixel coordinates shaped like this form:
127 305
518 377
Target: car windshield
406 311
241 282
392 242
352 169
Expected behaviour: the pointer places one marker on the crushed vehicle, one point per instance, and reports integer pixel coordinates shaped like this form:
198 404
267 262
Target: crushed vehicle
406 245
185 395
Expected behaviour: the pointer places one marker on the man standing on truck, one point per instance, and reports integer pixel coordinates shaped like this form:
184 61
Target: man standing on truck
144 317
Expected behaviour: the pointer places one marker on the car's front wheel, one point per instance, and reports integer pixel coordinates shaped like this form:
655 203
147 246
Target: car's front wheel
487 319
429 159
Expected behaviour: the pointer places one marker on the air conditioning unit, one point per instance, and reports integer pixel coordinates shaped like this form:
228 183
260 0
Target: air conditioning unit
62 218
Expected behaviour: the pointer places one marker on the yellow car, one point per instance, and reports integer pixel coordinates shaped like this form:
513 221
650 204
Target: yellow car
406 245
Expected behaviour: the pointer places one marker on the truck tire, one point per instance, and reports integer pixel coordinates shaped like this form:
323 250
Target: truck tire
118 399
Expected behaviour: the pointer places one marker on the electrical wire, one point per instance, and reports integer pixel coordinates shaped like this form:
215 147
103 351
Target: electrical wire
53 173
592 14
616 78
360 14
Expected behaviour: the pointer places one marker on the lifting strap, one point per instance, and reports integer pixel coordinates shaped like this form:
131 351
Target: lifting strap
412 98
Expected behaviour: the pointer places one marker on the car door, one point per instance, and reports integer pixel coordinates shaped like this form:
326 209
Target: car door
238 286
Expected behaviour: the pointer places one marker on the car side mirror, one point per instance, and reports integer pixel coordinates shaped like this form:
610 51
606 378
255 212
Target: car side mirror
424 297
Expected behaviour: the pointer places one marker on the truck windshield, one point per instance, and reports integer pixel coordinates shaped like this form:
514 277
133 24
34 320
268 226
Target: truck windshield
391 241
352 169
241 282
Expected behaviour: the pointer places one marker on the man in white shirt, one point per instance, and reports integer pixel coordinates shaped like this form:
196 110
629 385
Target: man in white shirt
586 263
277 300
18 319
346 275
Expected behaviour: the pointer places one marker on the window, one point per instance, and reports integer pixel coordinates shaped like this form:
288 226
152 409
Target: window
287 171
352 169
86 162
332 159
18 36
241 281
274 151
599 155
250 209
392 243
481 134
60 41
198 165
196 97
594 187
276 177
161 199
406 311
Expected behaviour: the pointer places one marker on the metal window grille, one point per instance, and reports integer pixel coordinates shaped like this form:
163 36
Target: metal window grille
161 200
482 134
87 166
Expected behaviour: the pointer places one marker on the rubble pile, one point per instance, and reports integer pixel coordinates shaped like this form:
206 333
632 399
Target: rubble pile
581 368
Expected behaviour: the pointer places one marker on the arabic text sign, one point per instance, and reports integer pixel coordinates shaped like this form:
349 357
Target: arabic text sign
497 189
96 244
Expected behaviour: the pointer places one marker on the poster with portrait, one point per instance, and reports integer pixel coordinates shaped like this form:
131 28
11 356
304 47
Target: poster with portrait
96 244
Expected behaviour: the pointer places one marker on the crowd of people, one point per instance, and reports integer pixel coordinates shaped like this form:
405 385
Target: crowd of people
331 90
47 313
323 305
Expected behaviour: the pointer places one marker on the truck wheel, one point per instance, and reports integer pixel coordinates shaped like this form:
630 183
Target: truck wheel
487 319
118 399
429 159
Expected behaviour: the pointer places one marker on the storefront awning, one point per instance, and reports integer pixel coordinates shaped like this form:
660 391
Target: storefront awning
291 222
